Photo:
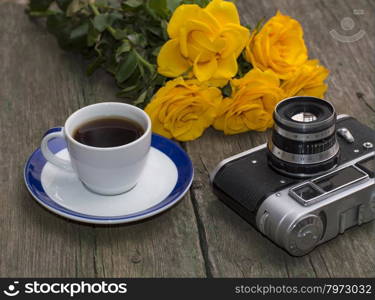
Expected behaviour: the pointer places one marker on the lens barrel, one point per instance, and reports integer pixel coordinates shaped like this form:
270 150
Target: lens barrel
303 139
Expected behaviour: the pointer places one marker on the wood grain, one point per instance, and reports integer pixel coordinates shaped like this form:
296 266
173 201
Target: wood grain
231 246
40 86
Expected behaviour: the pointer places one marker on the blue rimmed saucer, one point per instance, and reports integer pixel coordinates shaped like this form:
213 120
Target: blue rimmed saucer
167 176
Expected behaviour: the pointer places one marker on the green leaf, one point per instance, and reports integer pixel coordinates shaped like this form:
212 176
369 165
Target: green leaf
129 88
80 31
173 4
143 61
138 39
164 27
39 5
94 65
56 23
204 3
160 80
159 7
115 15
93 35
243 66
63 4
227 90
114 3
69 36
134 79
103 21
156 30
120 34
141 98
60 26
141 70
125 47
127 67
156 51
133 3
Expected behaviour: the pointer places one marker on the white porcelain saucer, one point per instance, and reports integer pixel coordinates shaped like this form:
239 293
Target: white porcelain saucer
166 178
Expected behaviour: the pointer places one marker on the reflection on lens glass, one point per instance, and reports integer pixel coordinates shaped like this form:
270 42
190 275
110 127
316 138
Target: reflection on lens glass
305 117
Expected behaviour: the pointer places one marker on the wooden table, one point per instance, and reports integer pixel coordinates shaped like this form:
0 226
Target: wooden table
40 85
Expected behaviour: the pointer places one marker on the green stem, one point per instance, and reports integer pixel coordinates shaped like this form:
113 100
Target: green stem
97 13
94 9
143 61
112 31
111 8
42 13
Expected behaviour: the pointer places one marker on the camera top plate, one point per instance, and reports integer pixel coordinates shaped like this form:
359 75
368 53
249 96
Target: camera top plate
245 180
318 189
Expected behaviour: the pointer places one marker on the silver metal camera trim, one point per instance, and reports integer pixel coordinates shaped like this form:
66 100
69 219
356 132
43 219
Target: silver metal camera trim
305 137
303 158
324 194
252 150
280 213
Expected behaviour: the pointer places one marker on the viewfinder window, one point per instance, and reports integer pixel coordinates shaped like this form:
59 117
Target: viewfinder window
307 192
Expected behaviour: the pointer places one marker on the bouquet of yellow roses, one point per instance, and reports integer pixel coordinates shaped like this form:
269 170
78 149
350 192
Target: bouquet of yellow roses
202 54
191 60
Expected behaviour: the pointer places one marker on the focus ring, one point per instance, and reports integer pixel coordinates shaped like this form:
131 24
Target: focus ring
303 158
302 171
304 137
298 147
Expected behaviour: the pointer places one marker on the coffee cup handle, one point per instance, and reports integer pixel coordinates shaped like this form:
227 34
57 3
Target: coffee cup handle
56 132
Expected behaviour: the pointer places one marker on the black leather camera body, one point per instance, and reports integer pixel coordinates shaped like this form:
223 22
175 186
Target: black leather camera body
313 180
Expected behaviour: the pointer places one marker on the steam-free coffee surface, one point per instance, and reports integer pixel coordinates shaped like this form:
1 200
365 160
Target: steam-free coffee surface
108 132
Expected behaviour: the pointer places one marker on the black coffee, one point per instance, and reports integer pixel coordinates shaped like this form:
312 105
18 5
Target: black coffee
108 132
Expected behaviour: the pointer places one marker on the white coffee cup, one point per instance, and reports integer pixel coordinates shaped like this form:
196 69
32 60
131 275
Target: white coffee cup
107 171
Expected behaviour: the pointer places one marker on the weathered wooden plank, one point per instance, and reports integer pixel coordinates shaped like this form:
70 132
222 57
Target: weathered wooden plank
40 86
231 246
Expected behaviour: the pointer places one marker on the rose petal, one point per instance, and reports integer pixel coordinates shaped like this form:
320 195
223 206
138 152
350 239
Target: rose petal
224 11
226 68
170 61
179 17
204 71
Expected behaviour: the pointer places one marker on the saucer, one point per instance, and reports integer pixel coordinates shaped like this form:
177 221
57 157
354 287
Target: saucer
165 179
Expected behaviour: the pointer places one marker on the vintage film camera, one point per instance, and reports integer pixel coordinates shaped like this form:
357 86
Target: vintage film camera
313 180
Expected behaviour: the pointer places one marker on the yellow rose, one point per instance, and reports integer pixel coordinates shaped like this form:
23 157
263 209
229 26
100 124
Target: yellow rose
308 80
206 41
252 103
183 109
279 46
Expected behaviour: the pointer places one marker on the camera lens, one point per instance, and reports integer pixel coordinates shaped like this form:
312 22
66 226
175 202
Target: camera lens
303 139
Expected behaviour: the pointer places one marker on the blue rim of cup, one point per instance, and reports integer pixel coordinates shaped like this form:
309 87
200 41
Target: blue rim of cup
36 162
